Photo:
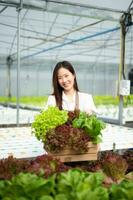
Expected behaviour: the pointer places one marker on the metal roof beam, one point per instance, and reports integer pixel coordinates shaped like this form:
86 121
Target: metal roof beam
31 4
85 6
3 9
68 8
41 4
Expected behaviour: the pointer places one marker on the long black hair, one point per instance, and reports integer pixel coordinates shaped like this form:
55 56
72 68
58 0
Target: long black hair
57 89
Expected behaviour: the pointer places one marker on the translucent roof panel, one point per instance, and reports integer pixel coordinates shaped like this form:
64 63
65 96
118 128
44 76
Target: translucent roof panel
74 30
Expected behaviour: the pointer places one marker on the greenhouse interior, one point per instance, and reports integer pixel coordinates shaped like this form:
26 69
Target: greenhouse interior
53 153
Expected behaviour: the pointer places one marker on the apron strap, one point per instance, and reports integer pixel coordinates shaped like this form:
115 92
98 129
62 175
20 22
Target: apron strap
76 110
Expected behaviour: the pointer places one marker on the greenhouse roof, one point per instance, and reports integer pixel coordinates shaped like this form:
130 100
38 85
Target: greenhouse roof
74 30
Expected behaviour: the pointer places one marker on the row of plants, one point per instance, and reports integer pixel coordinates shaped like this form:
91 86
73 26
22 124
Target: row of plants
113 100
114 165
59 129
74 184
25 100
41 100
46 178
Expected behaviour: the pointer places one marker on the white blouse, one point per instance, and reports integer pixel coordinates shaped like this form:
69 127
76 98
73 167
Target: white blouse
86 103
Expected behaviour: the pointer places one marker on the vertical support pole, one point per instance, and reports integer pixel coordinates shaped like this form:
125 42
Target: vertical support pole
120 78
120 110
9 62
121 68
125 21
18 59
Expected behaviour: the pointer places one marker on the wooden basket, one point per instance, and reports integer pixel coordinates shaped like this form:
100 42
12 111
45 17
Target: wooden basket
69 155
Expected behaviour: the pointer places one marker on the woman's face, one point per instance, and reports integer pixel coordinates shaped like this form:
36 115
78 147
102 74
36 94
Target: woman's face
66 79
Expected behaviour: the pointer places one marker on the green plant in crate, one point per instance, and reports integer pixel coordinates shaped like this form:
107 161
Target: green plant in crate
58 129
91 125
47 120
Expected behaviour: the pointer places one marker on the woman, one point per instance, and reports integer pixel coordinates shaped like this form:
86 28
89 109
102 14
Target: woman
66 94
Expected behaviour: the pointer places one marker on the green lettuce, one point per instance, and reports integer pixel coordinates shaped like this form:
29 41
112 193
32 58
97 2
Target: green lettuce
47 120
91 124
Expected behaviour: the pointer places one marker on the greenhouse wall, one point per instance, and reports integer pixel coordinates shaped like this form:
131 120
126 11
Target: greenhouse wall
98 79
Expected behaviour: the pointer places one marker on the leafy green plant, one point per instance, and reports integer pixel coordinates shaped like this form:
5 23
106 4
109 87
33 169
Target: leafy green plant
46 165
47 120
79 185
59 129
11 166
66 136
114 166
128 156
71 184
26 186
122 191
91 124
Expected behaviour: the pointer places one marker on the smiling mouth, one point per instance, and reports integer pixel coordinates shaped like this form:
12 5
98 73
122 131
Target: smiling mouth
66 85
